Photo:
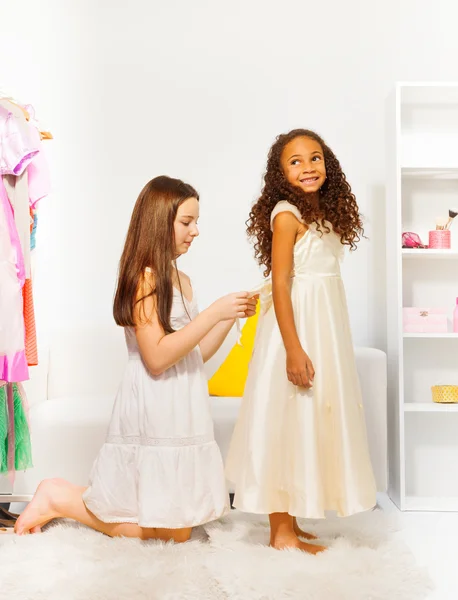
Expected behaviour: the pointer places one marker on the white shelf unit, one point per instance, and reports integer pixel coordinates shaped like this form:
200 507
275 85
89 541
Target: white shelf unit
431 335
429 407
422 184
428 254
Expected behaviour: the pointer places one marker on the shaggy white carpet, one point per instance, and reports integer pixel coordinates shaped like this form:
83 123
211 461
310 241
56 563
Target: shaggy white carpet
225 560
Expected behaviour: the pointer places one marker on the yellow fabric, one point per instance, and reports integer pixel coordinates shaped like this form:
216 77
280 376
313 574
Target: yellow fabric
230 378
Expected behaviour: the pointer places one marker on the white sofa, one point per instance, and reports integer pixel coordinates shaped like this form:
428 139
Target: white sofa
71 395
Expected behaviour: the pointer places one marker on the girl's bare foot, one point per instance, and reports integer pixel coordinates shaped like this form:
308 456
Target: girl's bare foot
303 534
310 548
284 543
283 534
44 507
37 528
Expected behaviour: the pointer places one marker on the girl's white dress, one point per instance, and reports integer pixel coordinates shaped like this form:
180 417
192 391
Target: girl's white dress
160 465
295 450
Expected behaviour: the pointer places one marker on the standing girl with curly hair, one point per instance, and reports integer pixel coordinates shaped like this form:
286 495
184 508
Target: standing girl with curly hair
299 447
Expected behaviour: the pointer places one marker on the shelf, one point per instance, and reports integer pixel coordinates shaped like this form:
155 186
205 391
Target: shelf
9 498
422 185
428 253
430 407
431 504
430 172
435 336
438 93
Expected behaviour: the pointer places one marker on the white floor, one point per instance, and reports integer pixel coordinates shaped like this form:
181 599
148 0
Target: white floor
432 537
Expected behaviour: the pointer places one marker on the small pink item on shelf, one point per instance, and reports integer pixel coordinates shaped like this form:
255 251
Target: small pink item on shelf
455 318
411 240
424 320
440 239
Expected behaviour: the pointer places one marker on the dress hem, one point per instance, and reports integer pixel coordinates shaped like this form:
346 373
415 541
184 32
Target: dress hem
13 367
297 514
136 521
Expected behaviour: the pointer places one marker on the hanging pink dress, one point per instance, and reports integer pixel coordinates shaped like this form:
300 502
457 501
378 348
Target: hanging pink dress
17 150
18 147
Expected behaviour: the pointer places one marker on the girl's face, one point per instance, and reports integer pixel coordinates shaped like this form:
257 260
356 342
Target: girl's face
185 225
302 161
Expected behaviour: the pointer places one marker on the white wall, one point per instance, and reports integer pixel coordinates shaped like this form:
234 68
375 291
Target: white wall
199 90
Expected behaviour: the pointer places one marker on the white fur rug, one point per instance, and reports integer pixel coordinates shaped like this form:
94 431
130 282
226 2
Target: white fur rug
225 560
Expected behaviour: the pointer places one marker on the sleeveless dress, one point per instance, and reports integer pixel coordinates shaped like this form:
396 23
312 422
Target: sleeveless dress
160 465
296 450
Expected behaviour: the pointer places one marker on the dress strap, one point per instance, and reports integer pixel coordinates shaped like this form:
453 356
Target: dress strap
285 206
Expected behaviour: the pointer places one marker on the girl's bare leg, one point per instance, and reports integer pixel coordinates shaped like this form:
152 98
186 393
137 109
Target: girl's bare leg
57 498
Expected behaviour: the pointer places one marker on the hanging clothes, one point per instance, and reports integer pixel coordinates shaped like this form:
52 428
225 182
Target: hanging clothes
16 180
24 180
31 348
19 144
13 363
33 233
15 446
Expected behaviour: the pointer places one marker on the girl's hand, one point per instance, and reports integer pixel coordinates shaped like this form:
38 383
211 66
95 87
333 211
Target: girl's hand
299 368
232 306
252 302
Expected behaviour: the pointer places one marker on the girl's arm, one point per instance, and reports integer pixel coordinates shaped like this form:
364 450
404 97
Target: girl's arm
285 230
212 342
160 351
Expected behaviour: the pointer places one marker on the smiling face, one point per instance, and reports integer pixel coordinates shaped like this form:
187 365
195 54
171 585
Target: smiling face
302 162
185 225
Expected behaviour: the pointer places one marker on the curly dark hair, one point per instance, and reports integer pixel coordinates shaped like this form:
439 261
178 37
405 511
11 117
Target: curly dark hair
337 204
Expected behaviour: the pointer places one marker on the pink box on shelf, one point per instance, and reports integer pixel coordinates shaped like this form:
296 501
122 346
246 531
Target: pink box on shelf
424 320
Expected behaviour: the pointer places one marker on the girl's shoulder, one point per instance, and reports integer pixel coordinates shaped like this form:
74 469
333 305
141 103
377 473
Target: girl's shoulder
148 279
185 277
285 206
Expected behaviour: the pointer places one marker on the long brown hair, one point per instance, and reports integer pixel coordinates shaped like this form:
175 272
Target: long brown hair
150 244
337 203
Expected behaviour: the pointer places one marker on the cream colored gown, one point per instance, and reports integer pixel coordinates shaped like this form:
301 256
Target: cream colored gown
296 450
